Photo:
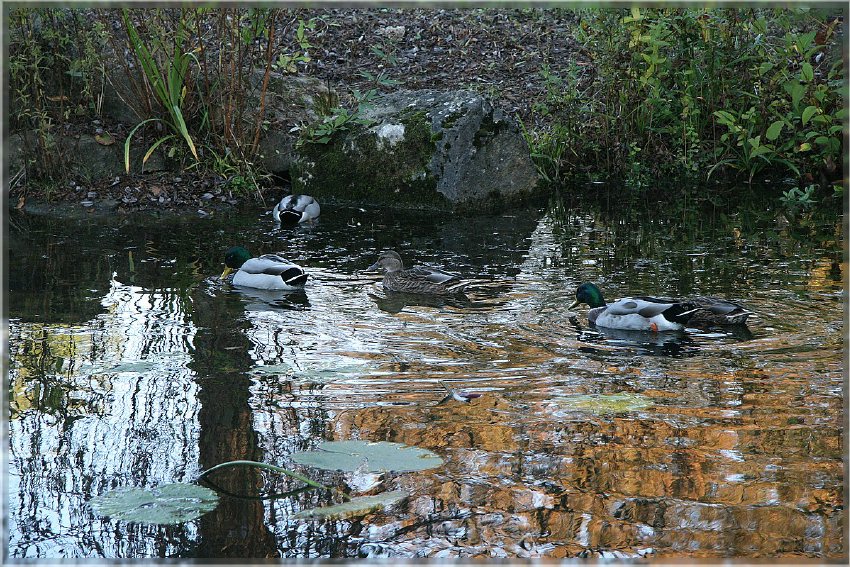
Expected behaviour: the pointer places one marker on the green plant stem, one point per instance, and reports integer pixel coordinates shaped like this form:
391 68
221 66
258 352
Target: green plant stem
274 468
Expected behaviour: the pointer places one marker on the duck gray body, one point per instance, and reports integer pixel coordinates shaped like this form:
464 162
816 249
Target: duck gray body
418 279
294 209
269 271
646 313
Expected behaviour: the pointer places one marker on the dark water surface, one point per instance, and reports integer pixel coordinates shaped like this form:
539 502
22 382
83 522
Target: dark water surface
133 365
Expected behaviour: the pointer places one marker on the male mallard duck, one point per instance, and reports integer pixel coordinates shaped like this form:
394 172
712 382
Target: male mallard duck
294 209
418 279
654 314
269 271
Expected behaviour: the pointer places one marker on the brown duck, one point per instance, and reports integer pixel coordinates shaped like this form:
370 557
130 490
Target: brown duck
418 279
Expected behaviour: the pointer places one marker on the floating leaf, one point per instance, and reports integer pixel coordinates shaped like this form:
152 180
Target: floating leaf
104 139
366 456
167 504
272 369
138 366
607 403
354 507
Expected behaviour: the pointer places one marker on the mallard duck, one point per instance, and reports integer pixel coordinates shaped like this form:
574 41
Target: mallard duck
418 279
294 209
269 271
654 314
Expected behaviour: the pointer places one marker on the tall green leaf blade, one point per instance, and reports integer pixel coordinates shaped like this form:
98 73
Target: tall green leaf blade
184 131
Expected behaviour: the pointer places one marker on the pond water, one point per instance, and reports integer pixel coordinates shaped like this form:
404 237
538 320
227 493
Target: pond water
132 364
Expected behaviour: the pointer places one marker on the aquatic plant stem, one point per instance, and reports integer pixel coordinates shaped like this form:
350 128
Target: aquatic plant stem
274 468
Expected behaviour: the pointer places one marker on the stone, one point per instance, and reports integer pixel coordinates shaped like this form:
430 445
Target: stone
290 101
448 150
83 155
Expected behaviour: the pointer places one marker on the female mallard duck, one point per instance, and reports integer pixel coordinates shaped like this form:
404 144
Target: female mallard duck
654 314
418 279
294 209
269 271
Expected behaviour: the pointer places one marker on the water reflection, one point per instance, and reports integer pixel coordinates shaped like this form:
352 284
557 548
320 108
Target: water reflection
160 370
108 403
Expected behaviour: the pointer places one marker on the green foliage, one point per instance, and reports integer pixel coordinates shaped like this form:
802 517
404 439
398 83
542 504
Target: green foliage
796 199
209 73
287 62
692 92
337 119
56 76
168 80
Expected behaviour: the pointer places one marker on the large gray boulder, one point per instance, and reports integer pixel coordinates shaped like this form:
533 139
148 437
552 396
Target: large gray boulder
422 148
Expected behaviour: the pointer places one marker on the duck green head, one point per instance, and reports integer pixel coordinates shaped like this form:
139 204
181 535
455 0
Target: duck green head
590 294
233 259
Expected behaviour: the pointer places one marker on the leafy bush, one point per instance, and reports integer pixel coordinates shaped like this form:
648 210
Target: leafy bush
696 91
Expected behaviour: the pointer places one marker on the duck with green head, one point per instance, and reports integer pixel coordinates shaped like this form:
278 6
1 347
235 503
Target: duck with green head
644 313
269 271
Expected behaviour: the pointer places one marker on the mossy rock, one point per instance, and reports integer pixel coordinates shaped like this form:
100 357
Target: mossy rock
423 149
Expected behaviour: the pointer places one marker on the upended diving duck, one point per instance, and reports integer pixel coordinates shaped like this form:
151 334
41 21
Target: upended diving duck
269 271
645 313
418 279
294 209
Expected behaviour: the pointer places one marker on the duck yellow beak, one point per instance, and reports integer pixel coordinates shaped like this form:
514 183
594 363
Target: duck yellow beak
226 272
576 303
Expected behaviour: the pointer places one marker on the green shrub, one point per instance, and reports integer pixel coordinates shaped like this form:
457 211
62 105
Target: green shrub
696 92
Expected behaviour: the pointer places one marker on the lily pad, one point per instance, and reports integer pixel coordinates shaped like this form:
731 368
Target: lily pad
354 507
166 504
133 366
367 456
272 369
607 403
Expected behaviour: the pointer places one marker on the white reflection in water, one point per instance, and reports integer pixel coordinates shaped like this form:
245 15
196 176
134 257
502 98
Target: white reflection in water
139 427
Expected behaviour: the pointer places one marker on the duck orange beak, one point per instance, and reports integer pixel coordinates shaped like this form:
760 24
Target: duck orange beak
576 303
226 272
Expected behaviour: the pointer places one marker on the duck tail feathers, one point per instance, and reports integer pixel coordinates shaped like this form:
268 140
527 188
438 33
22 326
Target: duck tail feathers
294 277
288 217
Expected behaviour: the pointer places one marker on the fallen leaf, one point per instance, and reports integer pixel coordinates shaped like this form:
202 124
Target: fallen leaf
104 139
58 98
20 204
155 191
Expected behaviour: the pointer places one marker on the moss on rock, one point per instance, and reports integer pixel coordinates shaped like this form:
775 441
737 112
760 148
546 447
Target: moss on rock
354 166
